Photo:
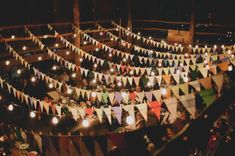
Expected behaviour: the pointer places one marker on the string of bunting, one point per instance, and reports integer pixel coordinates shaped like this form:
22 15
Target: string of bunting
176 48
159 54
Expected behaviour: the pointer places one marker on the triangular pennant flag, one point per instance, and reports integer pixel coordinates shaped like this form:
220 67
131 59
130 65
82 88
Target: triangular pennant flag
175 90
157 94
208 96
206 82
185 88
118 113
218 79
171 104
204 71
155 107
159 79
149 96
99 113
189 103
107 112
167 79
176 78
143 110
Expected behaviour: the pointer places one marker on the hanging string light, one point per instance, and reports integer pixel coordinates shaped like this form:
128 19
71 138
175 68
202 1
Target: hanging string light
95 65
80 59
39 58
10 107
50 86
55 120
32 114
111 70
56 45
69 91
119 84
152 73
45 36
130 120
7 62
18 71
131 72
101 33
85 123
12 36
110 55
33 79
93 94
24 48
54 67
96 49
67 52
163 91
85 42
230 68
74 75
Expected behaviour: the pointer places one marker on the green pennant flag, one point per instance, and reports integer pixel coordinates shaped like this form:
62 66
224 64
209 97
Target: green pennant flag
208 96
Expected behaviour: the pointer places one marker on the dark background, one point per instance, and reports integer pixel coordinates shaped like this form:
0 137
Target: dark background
15 12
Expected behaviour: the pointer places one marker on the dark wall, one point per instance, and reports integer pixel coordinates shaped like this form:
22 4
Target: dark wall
44 11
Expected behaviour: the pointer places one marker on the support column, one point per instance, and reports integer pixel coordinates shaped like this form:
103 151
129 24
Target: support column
77 39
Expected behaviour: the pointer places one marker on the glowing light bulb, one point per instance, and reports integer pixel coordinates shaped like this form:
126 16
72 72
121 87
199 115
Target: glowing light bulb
229 51
215 46
39 58
196 46
45 36
116 29
54 67
13 37
131 72
33 79
74 35
7 62
186 54
181 64
85 42
185 79
111 39
163 91
177 71
10 107
55 120
96 49
130 120
128 28
152 73
24 48
230 68
95 65
101 33
190 46
85 123
18 71
124 59
119 84
80 59
94 81
32 114
67 52
110 55
69 91
74 75
112 70
124 94
205 46
93 94
206 54
150 37
149 84
207 67
56 45
138 33
159 64
50 86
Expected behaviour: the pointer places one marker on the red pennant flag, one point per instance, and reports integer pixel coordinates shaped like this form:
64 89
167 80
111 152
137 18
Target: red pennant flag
89 111
155 108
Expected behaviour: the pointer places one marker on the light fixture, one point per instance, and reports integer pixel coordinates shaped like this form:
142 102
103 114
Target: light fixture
101 33
190 46
128 28
95 65
124 94
124 59
130 120
94 81
149 84
39 58
93 94
152 73
206 54
85 123
229 51
67 52
12 36
230 68
24 48
0 97
74 35
80 59
55 120
50 86
74 75
111 39
196 46
7 62
205 46
138 33
85 42
163 91
159 64
10 107
32 114
112 70
119 84
215 46
110 55
18 71
56 45
54 67
186 54
131 72
96 49
69 91
116 29
33 79
45 36
150 37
